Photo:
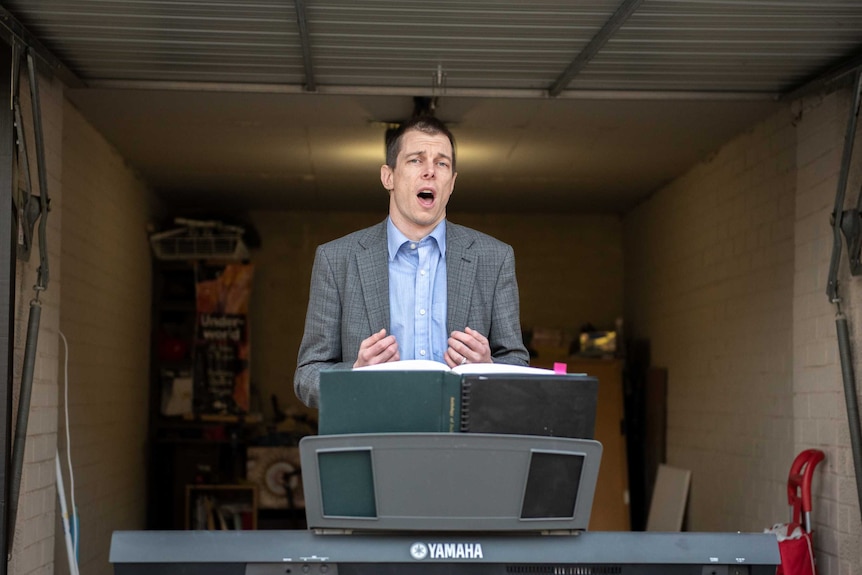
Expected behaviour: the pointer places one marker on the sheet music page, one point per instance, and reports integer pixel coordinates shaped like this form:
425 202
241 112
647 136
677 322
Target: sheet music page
406 365
482 368
467 368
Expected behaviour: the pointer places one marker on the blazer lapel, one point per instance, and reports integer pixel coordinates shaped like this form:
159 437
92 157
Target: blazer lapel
460 275
373 266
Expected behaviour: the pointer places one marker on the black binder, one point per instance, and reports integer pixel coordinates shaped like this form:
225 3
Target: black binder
547 404
553 405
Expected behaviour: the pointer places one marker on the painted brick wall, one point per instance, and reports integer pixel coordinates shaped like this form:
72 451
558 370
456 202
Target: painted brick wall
726 275
709 282
33 545
105 316
569 272
819 407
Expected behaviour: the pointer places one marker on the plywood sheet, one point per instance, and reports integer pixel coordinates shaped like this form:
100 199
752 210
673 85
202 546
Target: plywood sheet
667 508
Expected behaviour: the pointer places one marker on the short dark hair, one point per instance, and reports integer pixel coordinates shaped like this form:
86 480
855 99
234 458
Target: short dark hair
426 124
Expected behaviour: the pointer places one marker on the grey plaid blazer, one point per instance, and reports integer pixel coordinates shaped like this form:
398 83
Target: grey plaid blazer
349 299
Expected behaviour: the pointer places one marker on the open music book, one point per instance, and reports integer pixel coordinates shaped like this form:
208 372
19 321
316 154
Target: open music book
415 396
464 369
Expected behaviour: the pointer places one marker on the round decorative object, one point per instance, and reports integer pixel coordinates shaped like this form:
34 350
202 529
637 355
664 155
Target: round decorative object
278 475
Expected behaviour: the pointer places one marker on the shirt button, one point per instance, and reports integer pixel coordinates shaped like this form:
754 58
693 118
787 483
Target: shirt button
421 272
421 312
421 352
412 246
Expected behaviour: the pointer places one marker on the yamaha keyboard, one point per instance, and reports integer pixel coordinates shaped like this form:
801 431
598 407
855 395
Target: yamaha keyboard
445 503
305 552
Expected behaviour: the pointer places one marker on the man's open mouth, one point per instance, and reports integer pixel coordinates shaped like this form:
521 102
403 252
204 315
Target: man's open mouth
426 196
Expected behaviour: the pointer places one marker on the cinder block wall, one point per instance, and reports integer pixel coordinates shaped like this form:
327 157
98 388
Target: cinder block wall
33 546
726 277
105 316
569 271
709 282
818 398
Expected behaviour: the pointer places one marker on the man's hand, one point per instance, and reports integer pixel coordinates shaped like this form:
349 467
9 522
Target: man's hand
468 346
377 348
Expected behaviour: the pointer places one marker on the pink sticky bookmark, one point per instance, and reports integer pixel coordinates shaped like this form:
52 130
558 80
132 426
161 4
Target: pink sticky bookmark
559 367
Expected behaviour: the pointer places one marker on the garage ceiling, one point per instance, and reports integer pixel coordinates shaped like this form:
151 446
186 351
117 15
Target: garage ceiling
557 105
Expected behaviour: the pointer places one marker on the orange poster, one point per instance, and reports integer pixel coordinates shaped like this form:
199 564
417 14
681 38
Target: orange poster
221 375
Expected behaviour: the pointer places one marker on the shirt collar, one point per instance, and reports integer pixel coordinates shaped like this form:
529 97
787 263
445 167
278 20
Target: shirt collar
395 239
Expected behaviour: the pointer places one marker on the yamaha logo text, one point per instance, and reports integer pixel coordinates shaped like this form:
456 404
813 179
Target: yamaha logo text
446 551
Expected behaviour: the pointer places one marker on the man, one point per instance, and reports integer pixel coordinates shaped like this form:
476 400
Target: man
414 286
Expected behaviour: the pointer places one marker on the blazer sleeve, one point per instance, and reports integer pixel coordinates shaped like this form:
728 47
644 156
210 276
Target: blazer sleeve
321 340
505 337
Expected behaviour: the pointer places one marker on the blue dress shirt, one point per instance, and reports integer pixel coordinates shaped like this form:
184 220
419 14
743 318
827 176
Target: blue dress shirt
417 293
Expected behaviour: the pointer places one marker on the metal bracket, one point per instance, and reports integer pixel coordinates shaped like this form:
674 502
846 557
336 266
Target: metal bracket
851 227
27 213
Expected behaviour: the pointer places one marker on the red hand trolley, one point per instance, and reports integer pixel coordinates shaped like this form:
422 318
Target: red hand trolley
794 538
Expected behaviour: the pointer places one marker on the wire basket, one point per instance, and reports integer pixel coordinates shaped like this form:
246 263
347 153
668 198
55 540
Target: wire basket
200 240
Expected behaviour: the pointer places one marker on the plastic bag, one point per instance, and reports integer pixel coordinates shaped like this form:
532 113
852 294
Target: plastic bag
795 548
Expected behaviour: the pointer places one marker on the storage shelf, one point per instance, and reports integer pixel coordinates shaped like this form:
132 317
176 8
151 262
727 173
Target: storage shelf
221 507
